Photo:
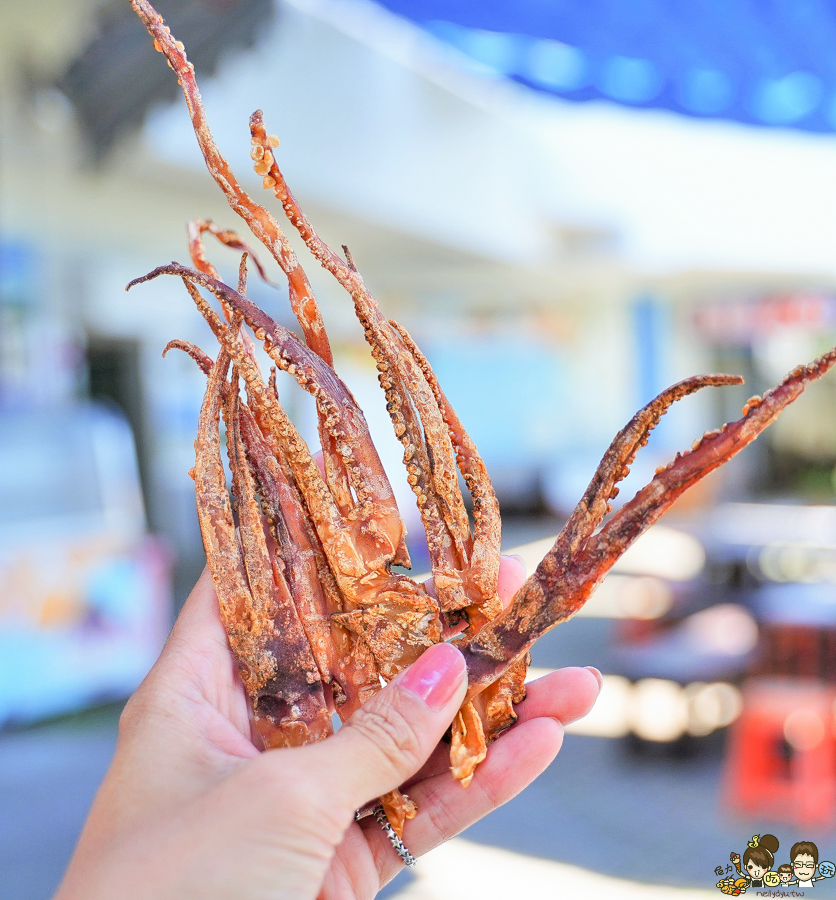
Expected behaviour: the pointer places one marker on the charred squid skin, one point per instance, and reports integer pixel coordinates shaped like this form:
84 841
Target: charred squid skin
267 669
305 565
290 709
558 588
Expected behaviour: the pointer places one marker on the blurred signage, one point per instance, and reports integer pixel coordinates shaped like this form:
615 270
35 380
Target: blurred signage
85 594
81 622
739 321
40 357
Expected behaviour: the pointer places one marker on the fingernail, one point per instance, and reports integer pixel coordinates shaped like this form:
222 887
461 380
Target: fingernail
435 676
519 559
598 676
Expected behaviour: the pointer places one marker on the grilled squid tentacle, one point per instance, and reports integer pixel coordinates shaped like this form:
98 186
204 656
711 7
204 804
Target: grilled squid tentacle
429 459
197 249
614 467
260 222
558 588
483 564
311 582
305 586
277 669
380 530
203 360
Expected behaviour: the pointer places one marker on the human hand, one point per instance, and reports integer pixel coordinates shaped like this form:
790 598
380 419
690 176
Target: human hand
190 808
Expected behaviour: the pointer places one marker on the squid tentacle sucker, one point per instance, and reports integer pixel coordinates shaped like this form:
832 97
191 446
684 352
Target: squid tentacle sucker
303 560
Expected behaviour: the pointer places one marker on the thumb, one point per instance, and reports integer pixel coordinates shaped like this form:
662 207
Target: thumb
392 735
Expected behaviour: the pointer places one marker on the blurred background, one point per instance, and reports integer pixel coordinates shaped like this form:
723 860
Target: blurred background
570 206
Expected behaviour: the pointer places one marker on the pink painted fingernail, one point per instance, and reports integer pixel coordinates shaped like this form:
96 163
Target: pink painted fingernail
435 676
598 676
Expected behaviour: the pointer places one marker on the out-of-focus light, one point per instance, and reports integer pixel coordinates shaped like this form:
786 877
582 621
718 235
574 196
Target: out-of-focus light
784 562
655 709
629 597
706 91
661 552
554 65
658 710
792 334
665 553
644 597
711 706
803 729
779 101
725 628
769 524
610 715
469 871
497 50
629 79
798 563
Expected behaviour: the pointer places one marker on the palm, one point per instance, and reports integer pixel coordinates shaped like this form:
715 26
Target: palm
198 674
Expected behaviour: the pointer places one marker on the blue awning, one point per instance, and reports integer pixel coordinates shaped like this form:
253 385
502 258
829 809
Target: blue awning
763 62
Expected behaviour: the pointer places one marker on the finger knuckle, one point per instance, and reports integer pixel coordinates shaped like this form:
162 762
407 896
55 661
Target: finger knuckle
392 733
280 785
443 822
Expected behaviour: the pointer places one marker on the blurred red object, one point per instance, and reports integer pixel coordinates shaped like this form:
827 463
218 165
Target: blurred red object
781 757
800 651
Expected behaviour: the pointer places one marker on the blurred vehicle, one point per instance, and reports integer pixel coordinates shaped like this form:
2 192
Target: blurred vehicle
737 593
85 595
